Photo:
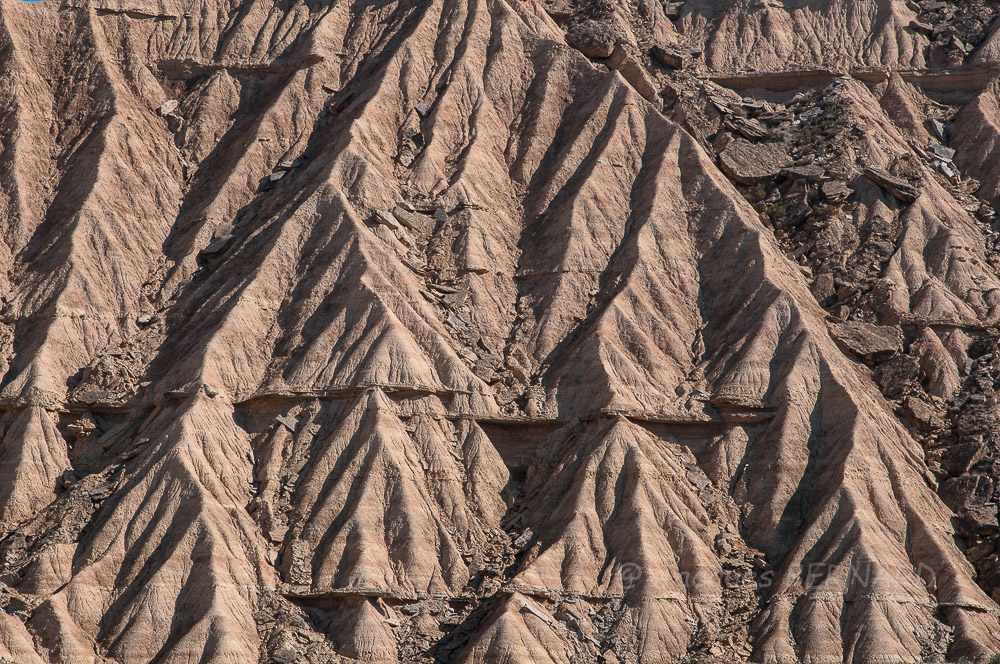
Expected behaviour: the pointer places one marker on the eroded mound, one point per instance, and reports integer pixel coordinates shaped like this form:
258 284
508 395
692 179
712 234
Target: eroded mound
495 331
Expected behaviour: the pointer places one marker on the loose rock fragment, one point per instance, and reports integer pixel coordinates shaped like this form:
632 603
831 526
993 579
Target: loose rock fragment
898 187
218 245
868 340
807 172
836 191
387 219
749 128
749 163
675 58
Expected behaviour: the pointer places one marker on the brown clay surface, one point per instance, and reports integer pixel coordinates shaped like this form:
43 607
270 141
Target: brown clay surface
437 332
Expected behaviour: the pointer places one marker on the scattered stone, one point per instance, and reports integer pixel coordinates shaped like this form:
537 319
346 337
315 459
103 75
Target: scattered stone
922 413
750 163
669 56
722 104
287 421
977 520
440 216
418 223
750 129
922 28
807 172
145 320
386 219
444 289
523 539
823 287
218 245
672 10
422 109
274 177
958 459
595 39
942 151
836 191
897 376
289 165
797 208
810 114
947 169
957 492
285 655
414 264
898 187
169 107
867 340
537 613
937 129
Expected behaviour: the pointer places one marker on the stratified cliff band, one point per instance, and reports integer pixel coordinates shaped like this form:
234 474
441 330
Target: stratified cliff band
499 331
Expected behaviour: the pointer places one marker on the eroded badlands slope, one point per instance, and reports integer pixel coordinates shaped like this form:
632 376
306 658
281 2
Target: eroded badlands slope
468 331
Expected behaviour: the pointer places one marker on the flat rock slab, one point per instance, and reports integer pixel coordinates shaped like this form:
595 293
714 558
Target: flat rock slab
675 58
808 172
898 187
752 163
836 191
867 340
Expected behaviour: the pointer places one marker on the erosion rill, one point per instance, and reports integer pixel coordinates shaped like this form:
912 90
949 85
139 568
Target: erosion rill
496 331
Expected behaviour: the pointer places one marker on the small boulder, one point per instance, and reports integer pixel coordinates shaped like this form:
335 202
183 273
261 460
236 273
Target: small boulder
898 187
416 222
836 191
977 520
669 56
868 341
749 163
168 107
748 128
922 413
595 39
289 165
897 376
218 245
942 151
958 459
937 129
387 219
823 287
957 492
672 10
807 172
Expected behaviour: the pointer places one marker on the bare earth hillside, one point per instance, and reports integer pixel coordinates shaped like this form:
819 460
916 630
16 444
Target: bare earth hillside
499 331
